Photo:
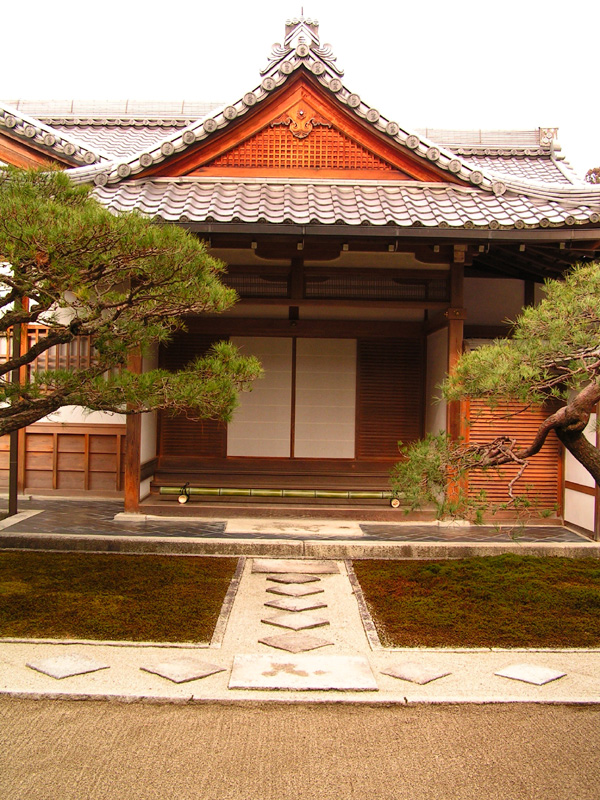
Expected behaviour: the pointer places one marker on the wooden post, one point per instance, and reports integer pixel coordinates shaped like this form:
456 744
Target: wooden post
597 503
456 316
13 461
133 448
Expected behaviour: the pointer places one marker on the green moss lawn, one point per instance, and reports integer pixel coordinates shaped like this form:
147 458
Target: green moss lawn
112 596
501 601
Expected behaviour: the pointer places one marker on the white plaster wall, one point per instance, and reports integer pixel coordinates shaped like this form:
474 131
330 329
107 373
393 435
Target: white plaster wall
261 424
579 509
145 488
148 437
148 448
437 362
492 301
325 422
574 471
77 415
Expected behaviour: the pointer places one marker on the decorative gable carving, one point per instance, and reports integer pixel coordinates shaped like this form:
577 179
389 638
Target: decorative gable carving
290 145
301 120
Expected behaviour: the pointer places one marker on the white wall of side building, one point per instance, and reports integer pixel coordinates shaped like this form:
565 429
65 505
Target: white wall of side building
579 508
437 364
77 415
149 432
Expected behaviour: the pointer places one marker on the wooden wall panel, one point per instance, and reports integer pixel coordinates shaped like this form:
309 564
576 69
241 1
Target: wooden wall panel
390 384
70 458
542 476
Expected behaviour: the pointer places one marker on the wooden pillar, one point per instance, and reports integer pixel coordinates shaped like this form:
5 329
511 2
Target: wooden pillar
133 448
456 319
13 459
597 503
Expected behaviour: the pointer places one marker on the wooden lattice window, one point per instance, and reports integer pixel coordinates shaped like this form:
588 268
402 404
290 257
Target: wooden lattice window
77 354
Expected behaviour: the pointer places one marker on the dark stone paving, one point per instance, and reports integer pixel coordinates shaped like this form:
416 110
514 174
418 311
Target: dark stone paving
473 533
96 518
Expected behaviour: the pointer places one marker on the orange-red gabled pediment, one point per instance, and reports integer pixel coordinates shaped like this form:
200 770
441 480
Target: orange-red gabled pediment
23 155
299 132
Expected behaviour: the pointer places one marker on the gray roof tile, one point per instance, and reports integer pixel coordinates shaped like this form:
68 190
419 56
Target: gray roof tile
302 203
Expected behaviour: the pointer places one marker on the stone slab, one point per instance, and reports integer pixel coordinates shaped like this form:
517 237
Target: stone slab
66 666
295 642
293 577
303 566
302 673
296 604
296 527
181 670
295 591
414 672
530 673
296 622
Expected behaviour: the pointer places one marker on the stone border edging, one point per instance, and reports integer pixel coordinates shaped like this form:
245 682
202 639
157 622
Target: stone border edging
363 609
221 626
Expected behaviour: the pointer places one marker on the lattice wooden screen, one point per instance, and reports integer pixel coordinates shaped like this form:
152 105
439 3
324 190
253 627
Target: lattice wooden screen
178 435
277 148
541 476
78 354
389 396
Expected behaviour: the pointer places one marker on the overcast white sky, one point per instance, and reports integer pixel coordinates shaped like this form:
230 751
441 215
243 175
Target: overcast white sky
465 64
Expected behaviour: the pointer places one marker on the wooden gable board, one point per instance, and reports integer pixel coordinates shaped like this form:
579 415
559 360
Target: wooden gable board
20 154
279 125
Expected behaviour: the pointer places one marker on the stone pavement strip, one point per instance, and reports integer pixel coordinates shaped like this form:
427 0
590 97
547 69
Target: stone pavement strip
265 654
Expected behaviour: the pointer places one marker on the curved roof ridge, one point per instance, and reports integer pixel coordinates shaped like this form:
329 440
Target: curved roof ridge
583 192
567 170
33 131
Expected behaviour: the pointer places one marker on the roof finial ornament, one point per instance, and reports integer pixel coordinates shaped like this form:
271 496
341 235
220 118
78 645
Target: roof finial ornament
302 38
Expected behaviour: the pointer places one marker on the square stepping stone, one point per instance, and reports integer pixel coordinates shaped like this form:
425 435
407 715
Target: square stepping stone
414 672
305 566
296 622
295 642
530 673
296 604
66 666
302 673
295 591
293 577
181 670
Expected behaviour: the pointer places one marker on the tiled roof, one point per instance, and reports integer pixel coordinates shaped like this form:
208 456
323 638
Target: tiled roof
119 141
301 50
116 129
402 204
508 179
453 138
114 109
64 147
541 168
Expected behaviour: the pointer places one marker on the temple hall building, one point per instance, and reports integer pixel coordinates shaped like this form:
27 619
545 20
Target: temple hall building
366 256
